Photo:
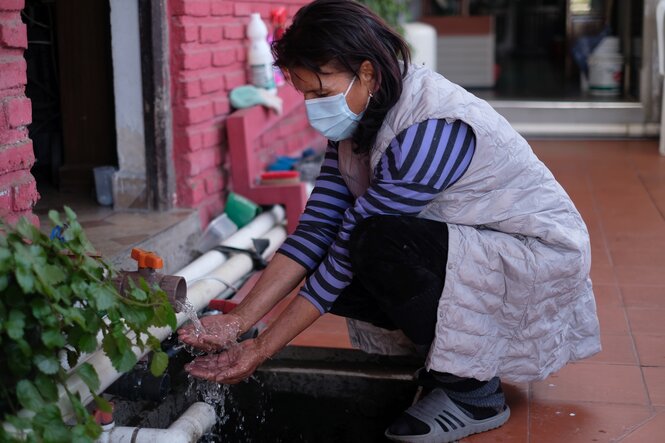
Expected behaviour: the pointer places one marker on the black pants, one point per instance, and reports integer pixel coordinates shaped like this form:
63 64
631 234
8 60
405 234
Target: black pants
399 267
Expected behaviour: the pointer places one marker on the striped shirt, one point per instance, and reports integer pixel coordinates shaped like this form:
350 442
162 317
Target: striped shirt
419 163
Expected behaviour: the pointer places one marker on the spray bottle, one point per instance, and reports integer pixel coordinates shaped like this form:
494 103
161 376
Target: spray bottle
259 56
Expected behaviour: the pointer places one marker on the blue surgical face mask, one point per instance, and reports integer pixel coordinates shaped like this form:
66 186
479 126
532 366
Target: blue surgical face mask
332 117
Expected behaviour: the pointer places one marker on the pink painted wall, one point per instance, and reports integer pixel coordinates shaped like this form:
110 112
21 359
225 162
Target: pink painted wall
208 60
18 189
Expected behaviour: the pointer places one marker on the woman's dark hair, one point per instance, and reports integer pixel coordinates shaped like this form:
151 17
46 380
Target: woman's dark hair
347 33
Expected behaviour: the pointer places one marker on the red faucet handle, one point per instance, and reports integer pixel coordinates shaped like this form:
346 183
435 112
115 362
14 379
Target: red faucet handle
147 259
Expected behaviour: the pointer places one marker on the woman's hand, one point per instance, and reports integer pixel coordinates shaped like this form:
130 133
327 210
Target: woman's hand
231 366
219 331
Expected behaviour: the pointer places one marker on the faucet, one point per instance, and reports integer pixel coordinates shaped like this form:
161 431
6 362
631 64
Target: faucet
148 263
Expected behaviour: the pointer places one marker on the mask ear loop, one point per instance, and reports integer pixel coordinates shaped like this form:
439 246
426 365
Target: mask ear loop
349 88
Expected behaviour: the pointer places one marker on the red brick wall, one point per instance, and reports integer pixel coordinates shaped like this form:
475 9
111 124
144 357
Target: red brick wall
18 189
208 59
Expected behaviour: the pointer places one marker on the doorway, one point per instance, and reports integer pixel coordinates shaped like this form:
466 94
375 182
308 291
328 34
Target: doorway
70 85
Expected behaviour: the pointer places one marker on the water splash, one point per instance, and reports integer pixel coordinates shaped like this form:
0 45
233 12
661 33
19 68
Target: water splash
188 309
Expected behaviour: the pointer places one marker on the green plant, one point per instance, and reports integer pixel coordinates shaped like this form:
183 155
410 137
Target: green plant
55 297
394 12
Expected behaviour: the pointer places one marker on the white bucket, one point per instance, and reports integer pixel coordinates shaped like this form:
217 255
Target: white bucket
606 69
422 38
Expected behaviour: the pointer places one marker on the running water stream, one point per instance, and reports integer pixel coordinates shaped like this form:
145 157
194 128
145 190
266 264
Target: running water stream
190 312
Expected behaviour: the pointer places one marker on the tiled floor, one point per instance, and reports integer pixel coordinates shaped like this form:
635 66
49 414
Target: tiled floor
619 394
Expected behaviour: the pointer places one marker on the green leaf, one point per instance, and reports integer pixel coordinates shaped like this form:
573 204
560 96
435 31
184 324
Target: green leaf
136 316
110 348
19 365
49 423
72 358
89 376
47 387
25 279
50 274
15 324
102 403
118 349
48 364
28 395
6 259
27 230
85 433
18 422
71 215
154 343
4 281
41 309
88 343
52 338
159 363
104 297
164 316
77 406
139 293
54 216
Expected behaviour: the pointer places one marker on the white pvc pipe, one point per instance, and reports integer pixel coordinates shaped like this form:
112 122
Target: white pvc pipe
198 419
211 260
199 296
240 239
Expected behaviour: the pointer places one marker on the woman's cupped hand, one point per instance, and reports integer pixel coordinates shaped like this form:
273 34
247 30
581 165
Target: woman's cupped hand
231 366
217 332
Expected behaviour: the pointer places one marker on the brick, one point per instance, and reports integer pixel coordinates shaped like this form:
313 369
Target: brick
222 106
16 157
212 84
197 112
186 33
213 137
14 72
11 136
215 204
241 54
265 10
5 200
218 7
13 217
13 35
196 191
25 194
210 34
214 182
224 57
217 156
235 79
12 5
191 7
196 162
242 9
191 88
19 112
187 141
234 32
195 59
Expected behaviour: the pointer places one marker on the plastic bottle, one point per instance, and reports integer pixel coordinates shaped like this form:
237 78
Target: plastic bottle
606 68
259 56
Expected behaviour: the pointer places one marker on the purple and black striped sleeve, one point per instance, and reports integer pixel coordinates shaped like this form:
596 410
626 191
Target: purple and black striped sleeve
419 163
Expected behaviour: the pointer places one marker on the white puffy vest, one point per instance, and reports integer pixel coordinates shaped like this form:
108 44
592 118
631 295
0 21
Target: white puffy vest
517 300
